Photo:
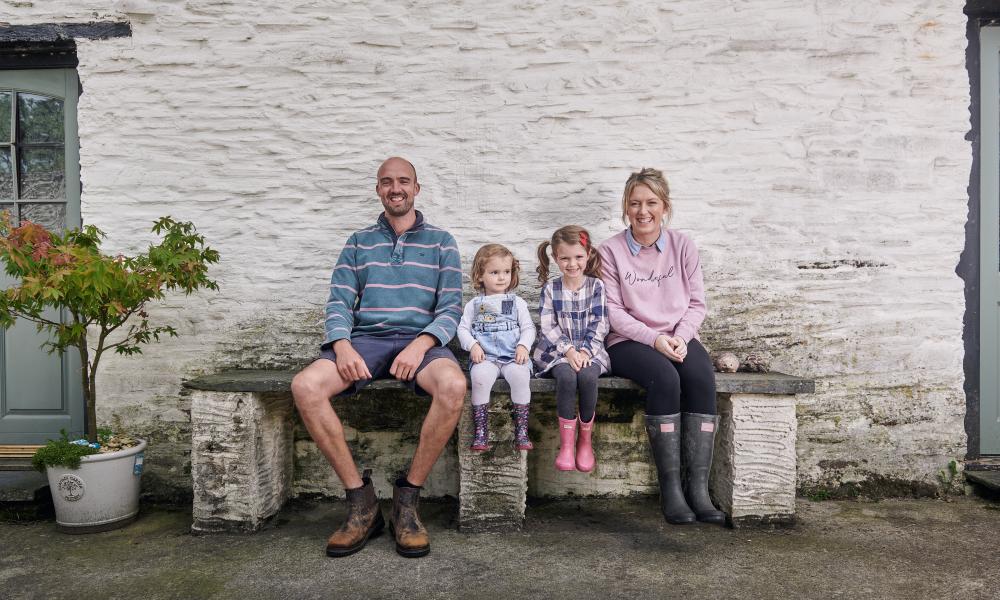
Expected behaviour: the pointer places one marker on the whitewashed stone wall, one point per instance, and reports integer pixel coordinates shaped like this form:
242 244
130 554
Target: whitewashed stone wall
815 150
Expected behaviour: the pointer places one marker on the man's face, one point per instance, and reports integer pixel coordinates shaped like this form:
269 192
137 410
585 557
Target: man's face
397 187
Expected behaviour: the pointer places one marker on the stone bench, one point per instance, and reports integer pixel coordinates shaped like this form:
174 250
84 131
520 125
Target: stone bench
242 453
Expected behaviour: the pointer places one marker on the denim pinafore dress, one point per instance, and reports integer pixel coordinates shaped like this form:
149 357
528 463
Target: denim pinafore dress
495 326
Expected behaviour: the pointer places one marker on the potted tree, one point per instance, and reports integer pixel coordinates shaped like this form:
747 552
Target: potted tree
100 303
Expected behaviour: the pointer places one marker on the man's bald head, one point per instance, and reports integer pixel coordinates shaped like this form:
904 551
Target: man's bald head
395 161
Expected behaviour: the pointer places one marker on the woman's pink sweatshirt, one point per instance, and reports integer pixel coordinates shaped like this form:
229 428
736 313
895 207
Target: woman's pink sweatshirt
653 292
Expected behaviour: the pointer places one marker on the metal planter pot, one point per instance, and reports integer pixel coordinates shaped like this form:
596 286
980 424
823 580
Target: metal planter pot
102 494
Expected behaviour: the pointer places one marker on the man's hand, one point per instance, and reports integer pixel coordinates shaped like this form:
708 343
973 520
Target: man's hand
405 366
350 365
476 355
521 355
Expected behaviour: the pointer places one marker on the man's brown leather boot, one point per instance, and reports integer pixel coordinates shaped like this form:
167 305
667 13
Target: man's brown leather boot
364 520
411 535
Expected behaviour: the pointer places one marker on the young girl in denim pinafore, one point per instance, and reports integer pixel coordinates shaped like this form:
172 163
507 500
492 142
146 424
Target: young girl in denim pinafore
574 322
497 330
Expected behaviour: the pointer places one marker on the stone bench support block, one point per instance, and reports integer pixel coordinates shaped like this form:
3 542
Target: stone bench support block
753 472
241 458
493 485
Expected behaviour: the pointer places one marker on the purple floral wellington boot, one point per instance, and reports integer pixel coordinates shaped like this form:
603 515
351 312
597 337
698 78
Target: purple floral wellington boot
521 439
481 427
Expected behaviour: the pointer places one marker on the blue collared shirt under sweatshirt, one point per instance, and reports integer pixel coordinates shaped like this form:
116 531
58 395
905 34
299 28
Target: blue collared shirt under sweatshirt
384 284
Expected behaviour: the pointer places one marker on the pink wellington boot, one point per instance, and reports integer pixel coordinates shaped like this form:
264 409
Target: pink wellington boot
584 451
566 459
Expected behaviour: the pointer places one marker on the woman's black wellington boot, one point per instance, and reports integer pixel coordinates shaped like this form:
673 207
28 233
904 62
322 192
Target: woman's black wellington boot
698 432
665 442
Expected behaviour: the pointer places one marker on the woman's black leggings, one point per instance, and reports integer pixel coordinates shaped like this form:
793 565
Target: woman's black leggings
671 387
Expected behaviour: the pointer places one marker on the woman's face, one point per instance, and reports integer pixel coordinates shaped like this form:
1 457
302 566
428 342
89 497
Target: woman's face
645 213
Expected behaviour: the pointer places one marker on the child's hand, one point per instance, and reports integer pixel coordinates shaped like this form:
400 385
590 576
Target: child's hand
476 354
575 359
521 355
587 359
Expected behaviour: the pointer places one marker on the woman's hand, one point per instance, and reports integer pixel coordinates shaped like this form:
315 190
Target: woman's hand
521 355
668 347
476 354
680 347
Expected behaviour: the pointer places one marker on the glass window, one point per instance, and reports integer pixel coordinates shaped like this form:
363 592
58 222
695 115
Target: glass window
11 212
33 156
6 175
39 119
49 216
41 173
4 117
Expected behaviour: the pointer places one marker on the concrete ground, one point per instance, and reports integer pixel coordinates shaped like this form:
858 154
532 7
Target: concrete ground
910 549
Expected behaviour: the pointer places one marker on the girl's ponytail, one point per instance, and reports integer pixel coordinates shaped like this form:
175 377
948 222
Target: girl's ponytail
543 263
593 268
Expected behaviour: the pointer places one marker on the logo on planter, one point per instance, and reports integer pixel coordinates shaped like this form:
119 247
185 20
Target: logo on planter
71 488
137 465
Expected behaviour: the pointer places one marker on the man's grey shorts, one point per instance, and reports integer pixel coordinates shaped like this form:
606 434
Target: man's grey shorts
378 354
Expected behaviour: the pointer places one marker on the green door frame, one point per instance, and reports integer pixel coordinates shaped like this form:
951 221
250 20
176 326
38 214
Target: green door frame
989 240
22 421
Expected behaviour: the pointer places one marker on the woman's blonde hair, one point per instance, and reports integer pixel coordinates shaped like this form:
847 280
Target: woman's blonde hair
656 182
483 256
570 234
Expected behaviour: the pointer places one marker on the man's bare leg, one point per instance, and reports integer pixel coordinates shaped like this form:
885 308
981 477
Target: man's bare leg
445 382
312 389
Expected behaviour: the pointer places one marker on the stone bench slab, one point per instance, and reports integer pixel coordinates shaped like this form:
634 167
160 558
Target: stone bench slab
262 381
242 459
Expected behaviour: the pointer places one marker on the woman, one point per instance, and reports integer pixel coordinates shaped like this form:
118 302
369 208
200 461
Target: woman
656 303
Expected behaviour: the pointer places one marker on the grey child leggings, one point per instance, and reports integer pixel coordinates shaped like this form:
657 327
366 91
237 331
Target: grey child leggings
485 373
569 383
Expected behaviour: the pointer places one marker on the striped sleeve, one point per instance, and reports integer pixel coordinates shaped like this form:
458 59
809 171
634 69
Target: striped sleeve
448 307
343 295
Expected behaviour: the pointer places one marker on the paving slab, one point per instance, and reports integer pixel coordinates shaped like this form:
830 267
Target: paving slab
988 479
567 550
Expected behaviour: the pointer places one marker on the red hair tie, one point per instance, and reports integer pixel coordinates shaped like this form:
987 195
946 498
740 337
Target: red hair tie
584 239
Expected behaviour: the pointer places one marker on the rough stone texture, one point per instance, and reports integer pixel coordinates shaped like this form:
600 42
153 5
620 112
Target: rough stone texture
753 471
493 485
753 475
816 153
241 452
385 444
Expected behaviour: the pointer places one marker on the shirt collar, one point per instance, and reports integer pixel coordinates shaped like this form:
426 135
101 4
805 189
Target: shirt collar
384 223
634 247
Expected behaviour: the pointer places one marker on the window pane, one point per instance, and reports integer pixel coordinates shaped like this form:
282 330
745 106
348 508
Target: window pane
6 175
49 216
40 119
5 118
41 173
12 213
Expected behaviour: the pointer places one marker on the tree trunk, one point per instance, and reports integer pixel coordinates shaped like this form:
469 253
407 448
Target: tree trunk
90 408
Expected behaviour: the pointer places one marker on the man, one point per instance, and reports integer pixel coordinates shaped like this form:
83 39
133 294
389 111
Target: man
395 301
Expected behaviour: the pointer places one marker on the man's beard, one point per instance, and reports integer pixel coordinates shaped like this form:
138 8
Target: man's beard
398 210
